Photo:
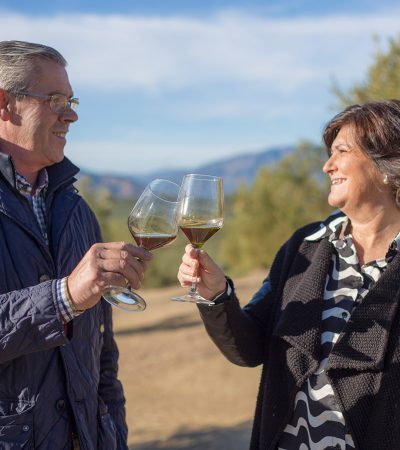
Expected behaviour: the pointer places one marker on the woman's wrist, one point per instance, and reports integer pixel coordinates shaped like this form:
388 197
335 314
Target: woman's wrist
226 292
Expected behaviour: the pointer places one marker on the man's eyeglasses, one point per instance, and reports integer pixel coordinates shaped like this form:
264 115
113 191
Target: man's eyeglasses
58 103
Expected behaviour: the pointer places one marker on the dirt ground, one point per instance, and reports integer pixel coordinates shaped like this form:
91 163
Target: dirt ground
182 394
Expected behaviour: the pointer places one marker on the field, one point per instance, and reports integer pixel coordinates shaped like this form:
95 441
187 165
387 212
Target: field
182 394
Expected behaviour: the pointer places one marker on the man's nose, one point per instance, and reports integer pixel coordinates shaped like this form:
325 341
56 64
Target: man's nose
69 115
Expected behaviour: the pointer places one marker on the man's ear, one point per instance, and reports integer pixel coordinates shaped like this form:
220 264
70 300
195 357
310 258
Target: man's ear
5 107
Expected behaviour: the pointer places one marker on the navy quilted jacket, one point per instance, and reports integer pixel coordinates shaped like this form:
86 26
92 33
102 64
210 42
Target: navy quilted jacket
49 379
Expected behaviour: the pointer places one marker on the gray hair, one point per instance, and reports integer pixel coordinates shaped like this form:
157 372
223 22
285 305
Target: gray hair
18 68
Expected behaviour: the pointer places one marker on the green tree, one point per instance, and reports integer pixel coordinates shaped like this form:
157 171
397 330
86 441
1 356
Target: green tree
382 81
264 215
100 201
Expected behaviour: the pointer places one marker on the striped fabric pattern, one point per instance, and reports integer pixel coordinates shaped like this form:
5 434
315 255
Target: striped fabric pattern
317 422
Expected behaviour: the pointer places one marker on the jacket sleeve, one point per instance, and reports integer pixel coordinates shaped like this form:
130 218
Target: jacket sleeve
242 334
110 388
30 321
237 332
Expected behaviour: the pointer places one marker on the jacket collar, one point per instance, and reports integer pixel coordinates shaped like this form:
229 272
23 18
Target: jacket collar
7 169
58 173
13 206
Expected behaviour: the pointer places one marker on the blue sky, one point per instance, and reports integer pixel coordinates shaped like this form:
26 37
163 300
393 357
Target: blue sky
183 83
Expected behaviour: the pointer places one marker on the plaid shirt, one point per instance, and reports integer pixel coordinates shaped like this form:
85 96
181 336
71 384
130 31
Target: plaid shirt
37 202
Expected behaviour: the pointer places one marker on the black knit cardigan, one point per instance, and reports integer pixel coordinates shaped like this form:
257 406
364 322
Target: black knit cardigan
281 329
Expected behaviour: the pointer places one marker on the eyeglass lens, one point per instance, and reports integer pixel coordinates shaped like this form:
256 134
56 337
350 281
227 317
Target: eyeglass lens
59 103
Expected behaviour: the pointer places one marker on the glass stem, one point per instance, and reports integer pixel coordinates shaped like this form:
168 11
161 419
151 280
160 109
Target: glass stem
193 287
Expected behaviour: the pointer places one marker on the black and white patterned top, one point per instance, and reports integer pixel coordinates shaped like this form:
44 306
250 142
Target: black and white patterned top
317 422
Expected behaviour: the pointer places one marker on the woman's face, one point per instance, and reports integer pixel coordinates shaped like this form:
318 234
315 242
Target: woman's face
355 180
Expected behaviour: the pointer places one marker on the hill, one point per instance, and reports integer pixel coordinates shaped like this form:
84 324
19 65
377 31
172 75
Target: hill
235 170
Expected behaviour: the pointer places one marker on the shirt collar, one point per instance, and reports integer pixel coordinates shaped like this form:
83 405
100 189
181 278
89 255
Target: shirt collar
334 228
25 187
394 247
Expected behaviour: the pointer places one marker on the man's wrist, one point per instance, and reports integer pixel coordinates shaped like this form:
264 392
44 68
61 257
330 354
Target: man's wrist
66 306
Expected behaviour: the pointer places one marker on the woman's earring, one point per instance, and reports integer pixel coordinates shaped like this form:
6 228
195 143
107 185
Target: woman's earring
385 179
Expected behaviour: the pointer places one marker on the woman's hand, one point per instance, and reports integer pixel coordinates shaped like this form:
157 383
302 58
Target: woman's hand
210 277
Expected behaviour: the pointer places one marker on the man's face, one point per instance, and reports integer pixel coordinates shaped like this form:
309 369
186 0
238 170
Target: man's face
39 132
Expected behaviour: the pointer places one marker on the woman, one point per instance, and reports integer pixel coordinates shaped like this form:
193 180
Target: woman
325 323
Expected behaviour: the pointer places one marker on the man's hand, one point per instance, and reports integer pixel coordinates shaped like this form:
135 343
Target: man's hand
198 265
113 263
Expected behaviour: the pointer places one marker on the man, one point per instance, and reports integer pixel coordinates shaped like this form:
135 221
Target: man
58 358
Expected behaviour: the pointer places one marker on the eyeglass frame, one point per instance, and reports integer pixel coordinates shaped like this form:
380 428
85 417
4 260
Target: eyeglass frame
71 102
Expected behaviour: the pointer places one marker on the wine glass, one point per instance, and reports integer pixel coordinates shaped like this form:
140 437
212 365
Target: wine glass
200 216
153 224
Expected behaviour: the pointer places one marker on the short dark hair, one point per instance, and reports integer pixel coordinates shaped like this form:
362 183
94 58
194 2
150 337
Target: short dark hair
377 133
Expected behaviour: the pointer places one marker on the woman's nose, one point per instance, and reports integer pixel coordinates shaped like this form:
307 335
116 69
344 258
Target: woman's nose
328 166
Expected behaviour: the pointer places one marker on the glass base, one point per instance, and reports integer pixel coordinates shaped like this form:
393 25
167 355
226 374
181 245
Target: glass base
193 297
124 298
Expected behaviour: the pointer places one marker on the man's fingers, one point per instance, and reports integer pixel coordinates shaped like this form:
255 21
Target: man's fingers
115 250
132 270
110 263
112 278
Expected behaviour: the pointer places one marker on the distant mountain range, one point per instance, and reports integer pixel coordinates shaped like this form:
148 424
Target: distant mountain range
234 170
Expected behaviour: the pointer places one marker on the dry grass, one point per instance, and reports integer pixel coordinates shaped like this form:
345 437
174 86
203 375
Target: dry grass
181 392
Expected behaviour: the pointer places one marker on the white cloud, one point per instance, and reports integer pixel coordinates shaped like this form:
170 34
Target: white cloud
171 53
200 88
